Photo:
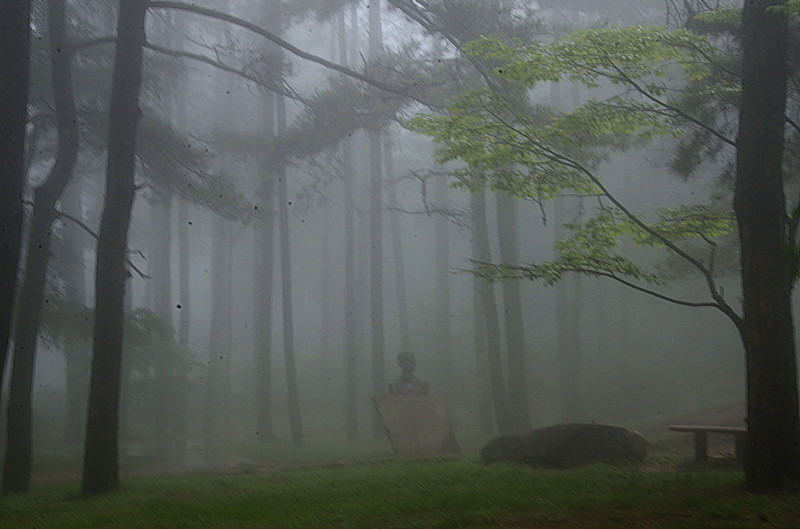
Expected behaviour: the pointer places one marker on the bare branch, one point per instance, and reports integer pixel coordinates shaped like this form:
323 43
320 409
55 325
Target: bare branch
85 227
159 4
282 90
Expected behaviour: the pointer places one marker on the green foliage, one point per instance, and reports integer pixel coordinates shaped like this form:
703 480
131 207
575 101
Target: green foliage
62 319
649 55
717 21
146 334
590 250
535 153
689 222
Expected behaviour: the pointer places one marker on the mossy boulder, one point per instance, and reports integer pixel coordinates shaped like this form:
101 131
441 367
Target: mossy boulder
568 445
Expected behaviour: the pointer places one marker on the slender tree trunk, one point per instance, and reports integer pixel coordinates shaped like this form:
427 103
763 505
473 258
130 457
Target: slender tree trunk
488 303
76 349
569 294
162 301
181 410
227 328
480 323
184 307
265 262
325 309
376 231
293 397
512 300
101 460
16 474
397 246
166 362
773 451
125 376
295 422
600 307
350 345
265 237
14 61
442 277
214 407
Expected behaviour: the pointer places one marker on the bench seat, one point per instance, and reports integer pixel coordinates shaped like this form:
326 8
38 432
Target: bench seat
701 432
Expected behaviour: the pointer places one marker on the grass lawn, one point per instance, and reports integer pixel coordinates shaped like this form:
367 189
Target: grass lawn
450 493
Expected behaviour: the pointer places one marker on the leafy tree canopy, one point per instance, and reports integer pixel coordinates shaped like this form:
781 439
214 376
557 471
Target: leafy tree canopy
536 153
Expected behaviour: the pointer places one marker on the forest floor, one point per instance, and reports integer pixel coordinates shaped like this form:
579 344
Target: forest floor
359 484
457 492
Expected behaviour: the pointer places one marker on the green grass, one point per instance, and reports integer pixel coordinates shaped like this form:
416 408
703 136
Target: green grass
460 493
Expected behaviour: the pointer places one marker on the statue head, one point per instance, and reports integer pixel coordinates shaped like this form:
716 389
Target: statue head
407 362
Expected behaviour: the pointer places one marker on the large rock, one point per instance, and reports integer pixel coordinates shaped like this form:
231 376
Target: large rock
568 445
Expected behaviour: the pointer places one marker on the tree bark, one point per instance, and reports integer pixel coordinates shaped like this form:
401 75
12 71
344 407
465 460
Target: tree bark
16 474
14 63
265 244
161 277
376 232
219 341
480 324
481 251
512 301
773 451
442 306
184 307
397 246
76 349
184 304
350 344
569 294
101 458
293 398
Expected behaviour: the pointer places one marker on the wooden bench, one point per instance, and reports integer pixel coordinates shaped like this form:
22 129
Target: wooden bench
701 438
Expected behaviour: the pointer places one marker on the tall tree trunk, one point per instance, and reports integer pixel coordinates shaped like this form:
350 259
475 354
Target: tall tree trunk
600 308
76 355
101 461
16 475
376 231
325 309
166 362
214 407
14 61
265 243
442 288
184 304
569 294
481 251
295 422
264 236
293 397
773 452
161 277
350 344
479 322
512 301
184 307
397 246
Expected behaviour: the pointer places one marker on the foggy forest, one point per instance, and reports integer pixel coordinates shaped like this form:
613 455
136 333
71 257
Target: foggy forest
227 223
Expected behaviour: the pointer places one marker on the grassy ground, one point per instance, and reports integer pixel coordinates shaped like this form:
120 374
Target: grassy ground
448 493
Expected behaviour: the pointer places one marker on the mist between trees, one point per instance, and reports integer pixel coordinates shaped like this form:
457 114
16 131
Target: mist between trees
316 186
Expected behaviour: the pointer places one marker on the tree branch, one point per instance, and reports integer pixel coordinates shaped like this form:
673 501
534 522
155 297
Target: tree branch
85 227
677 111
165 4
549 153
291 94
